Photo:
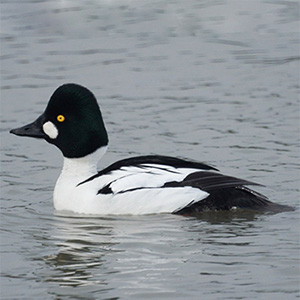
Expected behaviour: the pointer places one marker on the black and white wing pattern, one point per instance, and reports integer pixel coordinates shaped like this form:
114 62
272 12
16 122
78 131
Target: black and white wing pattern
155 184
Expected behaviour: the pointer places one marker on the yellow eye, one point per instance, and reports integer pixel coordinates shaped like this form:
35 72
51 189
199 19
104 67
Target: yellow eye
60 118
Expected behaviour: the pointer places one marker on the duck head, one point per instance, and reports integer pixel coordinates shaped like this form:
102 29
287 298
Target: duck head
72 121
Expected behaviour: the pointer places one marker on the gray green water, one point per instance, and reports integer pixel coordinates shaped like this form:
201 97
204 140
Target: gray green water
214 81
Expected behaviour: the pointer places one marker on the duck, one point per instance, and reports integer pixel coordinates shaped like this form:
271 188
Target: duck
149 184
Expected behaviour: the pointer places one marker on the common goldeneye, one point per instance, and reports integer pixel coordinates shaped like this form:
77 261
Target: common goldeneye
150 184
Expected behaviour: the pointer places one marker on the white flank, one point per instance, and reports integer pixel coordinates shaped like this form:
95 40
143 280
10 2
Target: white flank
50 129
136 190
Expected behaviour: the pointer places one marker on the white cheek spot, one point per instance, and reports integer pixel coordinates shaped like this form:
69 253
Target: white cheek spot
50 129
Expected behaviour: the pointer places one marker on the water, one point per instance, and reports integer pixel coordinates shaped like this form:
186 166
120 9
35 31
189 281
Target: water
215 81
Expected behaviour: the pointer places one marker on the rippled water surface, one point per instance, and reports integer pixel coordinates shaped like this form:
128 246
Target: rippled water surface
215 81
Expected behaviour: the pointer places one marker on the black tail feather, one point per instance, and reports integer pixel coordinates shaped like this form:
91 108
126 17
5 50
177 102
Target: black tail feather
234 198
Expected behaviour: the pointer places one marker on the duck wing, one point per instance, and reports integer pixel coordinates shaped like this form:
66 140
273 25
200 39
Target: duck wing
210 181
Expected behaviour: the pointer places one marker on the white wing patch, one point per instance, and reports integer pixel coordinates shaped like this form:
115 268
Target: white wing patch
144 176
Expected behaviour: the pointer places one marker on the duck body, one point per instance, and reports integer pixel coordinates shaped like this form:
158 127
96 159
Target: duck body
151 184
131 186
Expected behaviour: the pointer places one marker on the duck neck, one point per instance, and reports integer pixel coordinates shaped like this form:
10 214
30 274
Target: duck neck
83 167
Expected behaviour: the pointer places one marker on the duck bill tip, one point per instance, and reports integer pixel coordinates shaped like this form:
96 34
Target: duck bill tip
30 130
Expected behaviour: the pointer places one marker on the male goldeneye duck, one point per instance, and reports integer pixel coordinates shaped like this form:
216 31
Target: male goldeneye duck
151 184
